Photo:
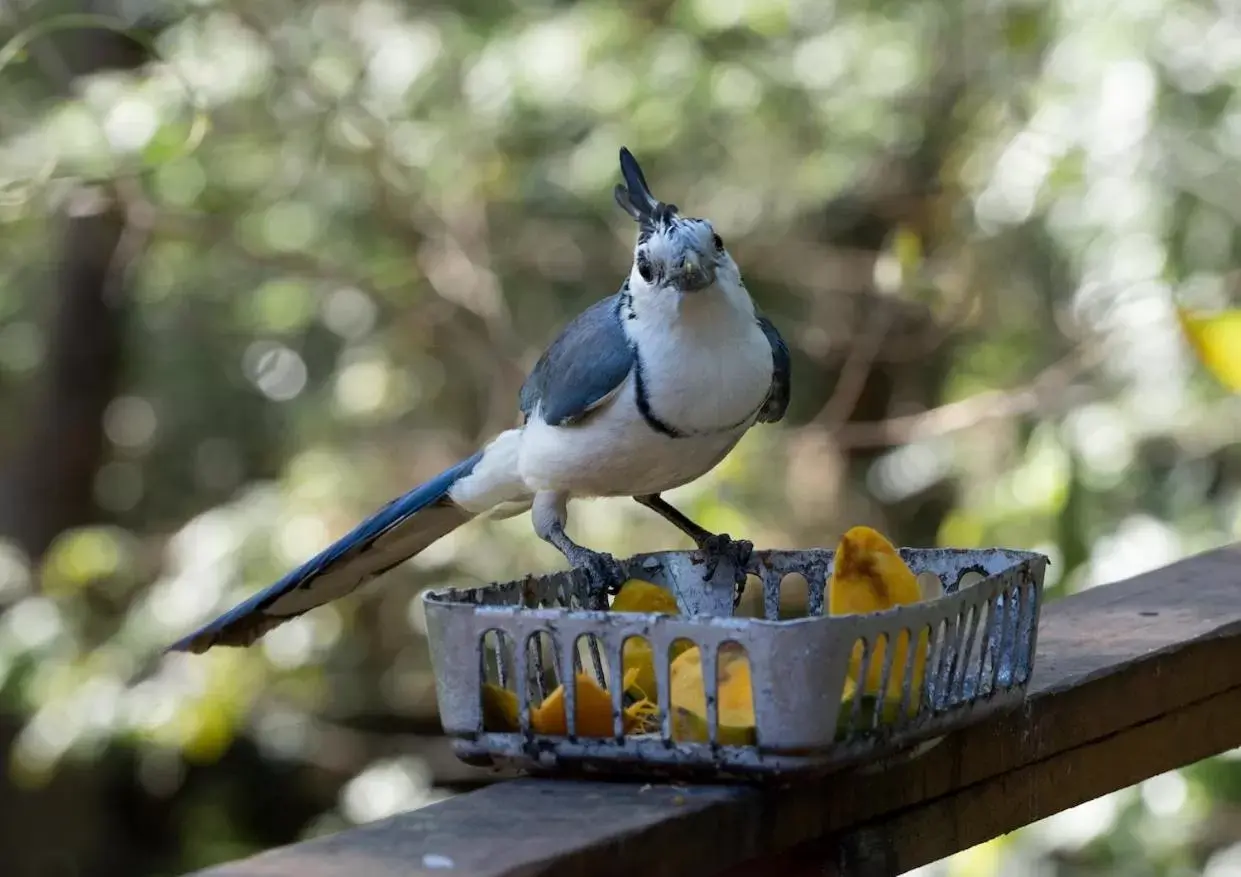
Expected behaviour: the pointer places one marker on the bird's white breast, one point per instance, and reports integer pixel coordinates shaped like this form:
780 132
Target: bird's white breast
616 453
706 371
706 364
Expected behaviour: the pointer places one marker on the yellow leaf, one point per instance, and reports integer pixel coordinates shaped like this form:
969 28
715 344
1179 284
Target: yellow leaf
81 556
907 247
208 733
1216 340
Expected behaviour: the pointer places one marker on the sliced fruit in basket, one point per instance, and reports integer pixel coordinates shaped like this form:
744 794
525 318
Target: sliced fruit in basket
869 576
735 697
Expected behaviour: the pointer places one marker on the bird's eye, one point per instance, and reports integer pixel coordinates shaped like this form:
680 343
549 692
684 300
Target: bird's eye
644 267
719 243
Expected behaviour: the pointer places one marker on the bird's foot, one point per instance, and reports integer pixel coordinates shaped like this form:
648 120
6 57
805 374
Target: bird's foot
717 547
603 574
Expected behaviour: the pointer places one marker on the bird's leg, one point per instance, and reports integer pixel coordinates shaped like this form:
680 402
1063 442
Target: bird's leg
606 576
714 546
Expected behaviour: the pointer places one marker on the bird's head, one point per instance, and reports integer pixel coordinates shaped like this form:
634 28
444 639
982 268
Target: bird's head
674 253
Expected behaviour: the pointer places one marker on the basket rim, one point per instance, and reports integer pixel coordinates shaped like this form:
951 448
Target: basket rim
455 598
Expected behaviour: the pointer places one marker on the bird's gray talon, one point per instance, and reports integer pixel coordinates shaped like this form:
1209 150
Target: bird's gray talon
721 545
604 576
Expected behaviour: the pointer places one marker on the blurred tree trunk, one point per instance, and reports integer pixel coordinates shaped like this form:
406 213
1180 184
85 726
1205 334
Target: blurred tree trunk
47 486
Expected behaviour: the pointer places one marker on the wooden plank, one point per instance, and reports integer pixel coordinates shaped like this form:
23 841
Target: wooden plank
1157 651
901 841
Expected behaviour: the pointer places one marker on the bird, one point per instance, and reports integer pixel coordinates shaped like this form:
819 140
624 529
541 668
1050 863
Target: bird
644 391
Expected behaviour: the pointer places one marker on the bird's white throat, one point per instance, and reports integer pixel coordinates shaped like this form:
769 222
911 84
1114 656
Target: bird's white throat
705 361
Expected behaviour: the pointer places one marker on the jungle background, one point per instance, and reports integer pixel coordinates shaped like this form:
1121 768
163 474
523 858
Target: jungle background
266 264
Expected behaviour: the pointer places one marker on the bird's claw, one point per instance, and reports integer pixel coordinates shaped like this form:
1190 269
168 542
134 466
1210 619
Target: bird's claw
719 546
603 575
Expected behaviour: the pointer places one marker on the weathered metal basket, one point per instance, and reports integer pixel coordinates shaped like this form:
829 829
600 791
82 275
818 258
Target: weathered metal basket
977 641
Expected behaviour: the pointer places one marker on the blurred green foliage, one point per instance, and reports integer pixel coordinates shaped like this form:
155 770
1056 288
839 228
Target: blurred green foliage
360 223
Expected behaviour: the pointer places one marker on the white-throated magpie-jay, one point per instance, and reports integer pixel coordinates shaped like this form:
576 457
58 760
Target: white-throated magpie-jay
643 392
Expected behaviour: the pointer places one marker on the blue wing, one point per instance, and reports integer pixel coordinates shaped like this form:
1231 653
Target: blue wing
582 368
392 535
781 375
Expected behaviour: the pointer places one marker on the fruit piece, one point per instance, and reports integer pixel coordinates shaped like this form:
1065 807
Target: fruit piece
869 576
499 708
594 711
637 595
735 697
638 659
844 719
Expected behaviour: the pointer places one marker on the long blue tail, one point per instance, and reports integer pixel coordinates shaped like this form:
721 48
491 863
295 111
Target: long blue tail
387 538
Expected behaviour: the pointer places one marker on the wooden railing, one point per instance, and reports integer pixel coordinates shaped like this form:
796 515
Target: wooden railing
1132 679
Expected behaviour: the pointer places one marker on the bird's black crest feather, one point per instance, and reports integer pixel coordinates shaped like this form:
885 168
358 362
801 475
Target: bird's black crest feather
635 196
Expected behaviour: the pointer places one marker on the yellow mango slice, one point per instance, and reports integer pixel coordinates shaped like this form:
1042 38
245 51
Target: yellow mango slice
594 711
637 595
736 698
870 576
499 708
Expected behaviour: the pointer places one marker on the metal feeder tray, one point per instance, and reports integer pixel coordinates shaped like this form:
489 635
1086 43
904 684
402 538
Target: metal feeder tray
980 644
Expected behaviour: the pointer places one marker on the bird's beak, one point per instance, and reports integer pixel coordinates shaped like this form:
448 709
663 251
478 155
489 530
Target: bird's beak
692 275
